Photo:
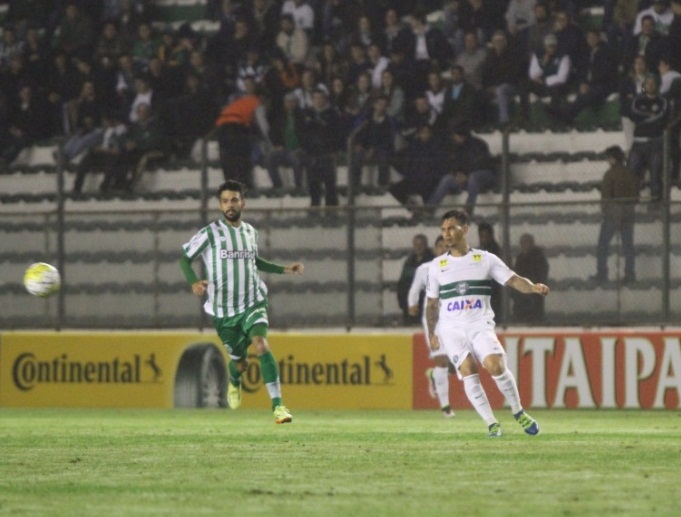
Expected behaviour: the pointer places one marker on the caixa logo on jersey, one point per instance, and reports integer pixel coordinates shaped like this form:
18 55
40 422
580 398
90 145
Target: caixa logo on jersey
29 370
366 370
464 305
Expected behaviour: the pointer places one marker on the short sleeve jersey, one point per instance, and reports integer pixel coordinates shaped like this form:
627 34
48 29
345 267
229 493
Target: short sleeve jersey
464 286
229 254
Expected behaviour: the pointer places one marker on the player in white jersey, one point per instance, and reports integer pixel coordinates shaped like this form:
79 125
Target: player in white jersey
237 297
461 320
438 376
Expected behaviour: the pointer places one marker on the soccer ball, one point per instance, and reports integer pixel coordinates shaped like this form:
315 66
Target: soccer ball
42 279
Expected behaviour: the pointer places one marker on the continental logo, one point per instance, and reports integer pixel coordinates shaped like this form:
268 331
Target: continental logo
366 371
29 371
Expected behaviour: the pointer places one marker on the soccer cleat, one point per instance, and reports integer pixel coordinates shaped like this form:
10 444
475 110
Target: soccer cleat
431 383
234 396
282 415
529 424
448 412
494 430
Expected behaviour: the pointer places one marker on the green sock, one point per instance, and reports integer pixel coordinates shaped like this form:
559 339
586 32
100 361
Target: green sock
234 374
270 374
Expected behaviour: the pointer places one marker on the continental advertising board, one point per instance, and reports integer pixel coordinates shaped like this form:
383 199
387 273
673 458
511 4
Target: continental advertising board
580 369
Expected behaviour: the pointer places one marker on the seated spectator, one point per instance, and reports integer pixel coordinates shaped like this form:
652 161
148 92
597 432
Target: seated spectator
501 78
286 129
478 17
144 143
462 102
549 72
109 47
143 95
145 47
36 55
359 103
596 82
425 47
374 143
75 32
358 63
393 93
420 164
292 40
393 31
470 168
378 63
86 121
9 46
105 154
471 59
250 65
436 91
570 38
418 114
620 31
364 34
308 85
330 63
125 84
26 123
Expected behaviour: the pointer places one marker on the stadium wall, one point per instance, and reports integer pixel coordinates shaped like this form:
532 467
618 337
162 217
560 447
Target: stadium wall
566 368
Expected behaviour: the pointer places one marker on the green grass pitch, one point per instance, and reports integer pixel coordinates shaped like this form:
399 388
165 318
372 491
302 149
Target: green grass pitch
337 463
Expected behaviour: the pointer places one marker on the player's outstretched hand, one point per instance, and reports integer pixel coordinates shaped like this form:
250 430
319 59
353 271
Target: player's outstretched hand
199 287
294 269
540 289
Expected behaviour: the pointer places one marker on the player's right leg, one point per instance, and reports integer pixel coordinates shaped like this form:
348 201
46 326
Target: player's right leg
440 381
234 342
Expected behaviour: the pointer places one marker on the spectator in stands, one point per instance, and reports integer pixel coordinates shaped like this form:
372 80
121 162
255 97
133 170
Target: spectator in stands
26 123
143 95
619 193
359 101
648 43
358 63
75 32
144 143
549 72
301 12
487 242
598 79
378 63
308 85
471 59
393 92
145 46
105 154
470 168
425 46
36 55
125 85
436 91
393 30
519 18
25 14
661 14
462 102
250 65
419 113
9 46
321 139
674 36
263 17
292 40
374 143
280 78
364 33
16 75
530 263
402 74
420 254
330 63
570 38
620 32
286 128
543 25
109 47
477 16
501 78
420 164
670 87
650 112
236 123
85 114
631 85
452 24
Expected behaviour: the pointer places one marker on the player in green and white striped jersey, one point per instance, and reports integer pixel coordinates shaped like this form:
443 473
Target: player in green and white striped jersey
236 295
460 318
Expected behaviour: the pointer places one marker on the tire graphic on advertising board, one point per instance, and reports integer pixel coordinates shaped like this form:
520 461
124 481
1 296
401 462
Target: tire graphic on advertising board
201 378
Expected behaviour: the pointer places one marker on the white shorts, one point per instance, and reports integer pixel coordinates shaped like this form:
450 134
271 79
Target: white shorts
480 340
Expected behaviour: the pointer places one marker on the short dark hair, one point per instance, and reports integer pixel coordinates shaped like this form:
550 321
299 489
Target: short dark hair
440 238
484 226
615 152
232 185
460 215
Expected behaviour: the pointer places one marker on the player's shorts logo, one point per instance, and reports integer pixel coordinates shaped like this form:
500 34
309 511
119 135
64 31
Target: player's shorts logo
462 288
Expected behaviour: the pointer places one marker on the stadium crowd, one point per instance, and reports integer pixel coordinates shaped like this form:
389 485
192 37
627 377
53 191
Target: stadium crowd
287 82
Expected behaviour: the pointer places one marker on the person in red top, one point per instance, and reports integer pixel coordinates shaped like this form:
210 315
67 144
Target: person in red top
236 122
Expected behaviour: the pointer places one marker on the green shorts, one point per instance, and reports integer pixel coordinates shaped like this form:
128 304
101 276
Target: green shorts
237 332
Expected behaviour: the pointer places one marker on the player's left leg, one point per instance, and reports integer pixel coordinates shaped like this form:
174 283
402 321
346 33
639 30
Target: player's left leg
270 373
440 378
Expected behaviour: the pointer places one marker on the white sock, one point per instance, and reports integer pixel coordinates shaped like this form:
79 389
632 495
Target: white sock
507 386
478 398
274 389
441 378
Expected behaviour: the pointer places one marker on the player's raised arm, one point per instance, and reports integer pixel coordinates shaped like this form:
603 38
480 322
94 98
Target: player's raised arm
526 286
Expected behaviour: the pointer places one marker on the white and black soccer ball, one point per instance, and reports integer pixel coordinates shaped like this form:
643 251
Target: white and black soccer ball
41 279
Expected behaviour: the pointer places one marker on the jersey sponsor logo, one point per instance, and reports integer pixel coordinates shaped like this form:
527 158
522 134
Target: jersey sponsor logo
477 257
464 305
242 254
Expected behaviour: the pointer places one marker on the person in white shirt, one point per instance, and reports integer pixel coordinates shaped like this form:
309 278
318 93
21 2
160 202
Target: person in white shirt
438 376
460 318
302 13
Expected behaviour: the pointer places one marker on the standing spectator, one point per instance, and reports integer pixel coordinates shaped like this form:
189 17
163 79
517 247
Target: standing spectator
452 24
650 112
264 19
471 59
619 193
104 155
487 242
375 143
236 122
631 85
301 12
462 102
477 17
670 87
648 43
321 141
532 264
674 36
620 32
420 254
598 79
425 46
471 168
542 26
501 78
570 38
519 18
661 14
285 134
292 40
359 103
549 72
